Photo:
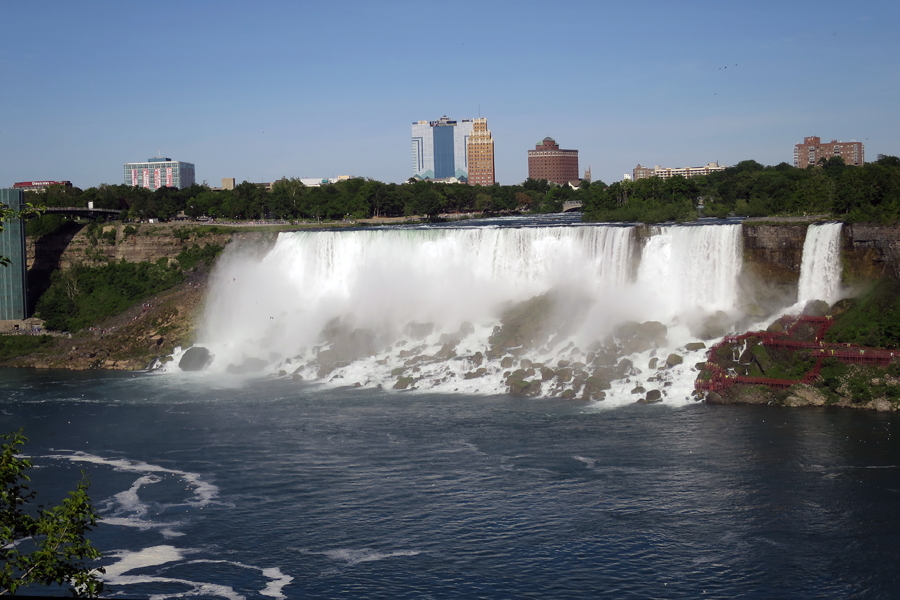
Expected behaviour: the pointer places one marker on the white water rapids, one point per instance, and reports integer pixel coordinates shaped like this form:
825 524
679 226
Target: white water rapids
424 303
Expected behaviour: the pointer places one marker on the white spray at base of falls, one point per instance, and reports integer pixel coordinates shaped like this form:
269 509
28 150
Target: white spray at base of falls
820 268
371 307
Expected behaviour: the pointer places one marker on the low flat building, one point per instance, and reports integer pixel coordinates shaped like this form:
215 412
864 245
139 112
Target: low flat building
812 150
666 172
39 186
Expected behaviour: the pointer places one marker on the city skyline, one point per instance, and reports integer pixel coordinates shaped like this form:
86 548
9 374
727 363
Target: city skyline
257 94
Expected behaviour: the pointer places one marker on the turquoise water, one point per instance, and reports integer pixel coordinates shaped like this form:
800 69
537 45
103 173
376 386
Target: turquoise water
273 488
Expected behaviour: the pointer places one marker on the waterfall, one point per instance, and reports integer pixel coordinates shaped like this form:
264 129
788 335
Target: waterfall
694 267
368 306
820 269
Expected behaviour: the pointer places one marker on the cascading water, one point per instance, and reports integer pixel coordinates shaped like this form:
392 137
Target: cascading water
475 309
820 268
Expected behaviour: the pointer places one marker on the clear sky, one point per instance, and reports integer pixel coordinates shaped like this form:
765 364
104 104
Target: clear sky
262 90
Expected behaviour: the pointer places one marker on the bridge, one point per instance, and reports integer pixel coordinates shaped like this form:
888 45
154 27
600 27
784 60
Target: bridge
571 205
81 211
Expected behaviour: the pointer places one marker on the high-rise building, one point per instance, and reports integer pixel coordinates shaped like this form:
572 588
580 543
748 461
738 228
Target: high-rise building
159 172
812 150
666 172
439 148
480 151
548 162
13 277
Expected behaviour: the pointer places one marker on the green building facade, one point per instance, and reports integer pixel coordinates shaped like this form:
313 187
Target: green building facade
13 277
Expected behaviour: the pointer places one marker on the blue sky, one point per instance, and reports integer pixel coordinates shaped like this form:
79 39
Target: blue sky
262 90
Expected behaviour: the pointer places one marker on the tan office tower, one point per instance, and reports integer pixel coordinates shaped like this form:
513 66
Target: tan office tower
480 154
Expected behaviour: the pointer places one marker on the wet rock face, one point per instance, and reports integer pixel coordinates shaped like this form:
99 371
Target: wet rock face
195 359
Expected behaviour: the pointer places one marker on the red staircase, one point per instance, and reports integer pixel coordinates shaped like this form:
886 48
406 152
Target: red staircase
848 353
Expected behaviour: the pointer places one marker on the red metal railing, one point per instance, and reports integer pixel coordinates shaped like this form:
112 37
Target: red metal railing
848 353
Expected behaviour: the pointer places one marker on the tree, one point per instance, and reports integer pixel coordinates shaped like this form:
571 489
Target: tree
47 547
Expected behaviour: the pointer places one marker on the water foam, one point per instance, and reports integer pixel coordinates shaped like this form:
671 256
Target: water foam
399 297
126 509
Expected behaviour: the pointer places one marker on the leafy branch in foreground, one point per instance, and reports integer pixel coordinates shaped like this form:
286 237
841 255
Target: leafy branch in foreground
50 547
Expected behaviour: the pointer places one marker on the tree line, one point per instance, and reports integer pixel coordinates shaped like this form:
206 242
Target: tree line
867 193
290 199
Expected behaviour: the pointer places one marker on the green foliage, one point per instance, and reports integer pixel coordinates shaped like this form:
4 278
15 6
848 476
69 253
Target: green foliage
45 225
190 257
19 345
868 193
873 320
81 295
45 546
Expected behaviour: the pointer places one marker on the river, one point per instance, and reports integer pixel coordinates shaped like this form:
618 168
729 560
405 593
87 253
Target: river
218 487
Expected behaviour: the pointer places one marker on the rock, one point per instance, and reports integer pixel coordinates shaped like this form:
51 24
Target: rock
762 359
447 351
525 388
714 398
636 344
882 405
625 367
479 372
397 371
547 373
517 375
507 362
815 308
638 390
466 328
564 375
653 396
563 364
196 358
568 394
673 359
804 395
754 310
418 331
403 383
694 346
250 365
652 363
713 326
533 389
653 331
842 306
525 363
626 330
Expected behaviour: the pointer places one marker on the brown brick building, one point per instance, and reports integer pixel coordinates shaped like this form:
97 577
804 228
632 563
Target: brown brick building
812 150
548 162
480 154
